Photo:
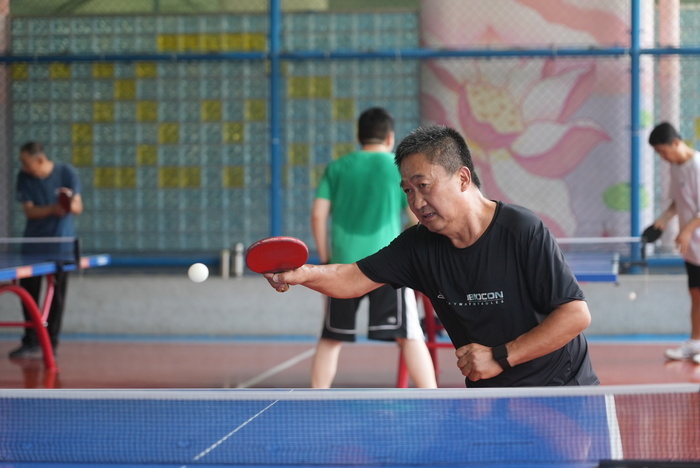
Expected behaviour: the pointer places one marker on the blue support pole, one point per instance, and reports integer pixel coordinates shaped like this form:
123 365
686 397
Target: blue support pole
275 128
635 122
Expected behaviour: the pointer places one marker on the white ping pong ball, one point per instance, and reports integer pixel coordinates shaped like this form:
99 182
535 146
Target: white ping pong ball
198 272
633 296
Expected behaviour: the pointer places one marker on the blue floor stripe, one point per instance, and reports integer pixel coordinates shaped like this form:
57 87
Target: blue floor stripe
637 338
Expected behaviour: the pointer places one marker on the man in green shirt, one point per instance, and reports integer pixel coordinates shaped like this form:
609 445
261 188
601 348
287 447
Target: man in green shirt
360 197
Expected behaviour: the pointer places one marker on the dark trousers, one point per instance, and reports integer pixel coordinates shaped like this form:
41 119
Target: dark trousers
33 287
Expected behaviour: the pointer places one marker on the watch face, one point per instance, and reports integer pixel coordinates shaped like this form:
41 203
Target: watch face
500 352
500 355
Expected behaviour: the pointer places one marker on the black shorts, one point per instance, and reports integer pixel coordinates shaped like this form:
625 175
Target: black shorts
393 313
693 275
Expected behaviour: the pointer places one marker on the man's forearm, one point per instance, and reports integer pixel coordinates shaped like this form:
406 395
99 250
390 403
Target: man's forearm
558 328
38 212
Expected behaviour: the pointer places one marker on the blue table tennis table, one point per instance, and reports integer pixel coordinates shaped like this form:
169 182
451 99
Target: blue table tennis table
596 267
567 427
15 266
601 259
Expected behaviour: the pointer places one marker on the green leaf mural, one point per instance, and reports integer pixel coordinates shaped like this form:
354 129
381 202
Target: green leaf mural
617 197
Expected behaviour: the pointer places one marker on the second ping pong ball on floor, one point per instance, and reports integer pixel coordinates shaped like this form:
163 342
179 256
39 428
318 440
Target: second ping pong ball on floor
198 272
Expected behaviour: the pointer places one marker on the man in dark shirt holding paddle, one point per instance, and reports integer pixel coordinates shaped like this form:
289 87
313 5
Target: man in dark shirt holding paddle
494 273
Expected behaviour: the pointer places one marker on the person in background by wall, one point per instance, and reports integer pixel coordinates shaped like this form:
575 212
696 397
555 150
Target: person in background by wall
359 196
39 183
685 203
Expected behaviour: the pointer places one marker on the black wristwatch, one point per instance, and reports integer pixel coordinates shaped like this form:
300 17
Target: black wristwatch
500 355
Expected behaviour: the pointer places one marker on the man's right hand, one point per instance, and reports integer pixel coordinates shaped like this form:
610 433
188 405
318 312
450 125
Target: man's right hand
281 281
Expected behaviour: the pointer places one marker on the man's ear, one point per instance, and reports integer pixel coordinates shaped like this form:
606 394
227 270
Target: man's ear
465 177
390 139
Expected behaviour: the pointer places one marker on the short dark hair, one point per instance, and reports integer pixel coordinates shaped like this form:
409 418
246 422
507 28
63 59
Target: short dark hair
374 125
663 134
441 145
32 148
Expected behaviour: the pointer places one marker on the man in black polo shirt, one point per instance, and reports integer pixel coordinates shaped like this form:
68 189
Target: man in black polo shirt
493 272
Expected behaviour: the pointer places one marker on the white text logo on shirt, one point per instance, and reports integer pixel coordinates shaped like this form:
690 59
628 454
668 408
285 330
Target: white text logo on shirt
480 299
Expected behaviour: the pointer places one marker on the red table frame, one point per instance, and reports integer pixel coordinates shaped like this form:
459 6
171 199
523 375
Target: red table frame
37 317
432 328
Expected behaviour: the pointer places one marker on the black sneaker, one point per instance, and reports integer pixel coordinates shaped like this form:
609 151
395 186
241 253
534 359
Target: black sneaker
27 352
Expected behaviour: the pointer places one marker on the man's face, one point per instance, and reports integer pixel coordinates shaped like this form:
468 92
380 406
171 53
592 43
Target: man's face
432 192
670 152
32 165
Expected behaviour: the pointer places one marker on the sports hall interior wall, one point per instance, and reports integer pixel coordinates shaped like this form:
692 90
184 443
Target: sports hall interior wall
175 154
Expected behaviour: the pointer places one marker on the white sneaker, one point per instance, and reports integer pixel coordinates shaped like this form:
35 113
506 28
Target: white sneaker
688 350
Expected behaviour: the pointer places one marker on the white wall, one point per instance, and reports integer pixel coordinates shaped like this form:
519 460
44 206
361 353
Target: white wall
172 305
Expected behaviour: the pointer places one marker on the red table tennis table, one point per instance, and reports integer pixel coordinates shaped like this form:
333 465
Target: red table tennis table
15 266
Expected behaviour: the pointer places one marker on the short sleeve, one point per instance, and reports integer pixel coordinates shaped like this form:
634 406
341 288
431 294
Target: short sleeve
392 264
551 278
74 181
324 187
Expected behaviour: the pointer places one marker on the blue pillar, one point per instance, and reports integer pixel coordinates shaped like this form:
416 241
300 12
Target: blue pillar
275 111
635 120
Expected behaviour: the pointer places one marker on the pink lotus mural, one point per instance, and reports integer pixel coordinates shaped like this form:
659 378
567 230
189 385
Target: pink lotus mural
517 117
537 126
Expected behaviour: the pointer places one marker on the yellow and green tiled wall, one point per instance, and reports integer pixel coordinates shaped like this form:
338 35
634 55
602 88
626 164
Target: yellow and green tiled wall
174 155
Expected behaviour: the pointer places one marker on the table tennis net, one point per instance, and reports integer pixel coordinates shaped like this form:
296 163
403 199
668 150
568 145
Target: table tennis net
623 246
42 248
379 427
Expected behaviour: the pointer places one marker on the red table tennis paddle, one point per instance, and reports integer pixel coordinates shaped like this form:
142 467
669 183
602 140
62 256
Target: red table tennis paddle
276 254
65 196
